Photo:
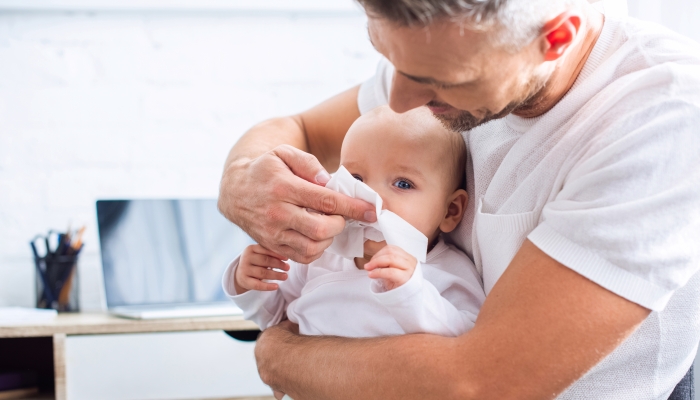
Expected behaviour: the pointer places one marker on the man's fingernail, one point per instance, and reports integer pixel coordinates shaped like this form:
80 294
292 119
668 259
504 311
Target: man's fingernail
322 177
370 216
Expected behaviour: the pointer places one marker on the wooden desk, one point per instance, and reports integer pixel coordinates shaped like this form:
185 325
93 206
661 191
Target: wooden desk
100 323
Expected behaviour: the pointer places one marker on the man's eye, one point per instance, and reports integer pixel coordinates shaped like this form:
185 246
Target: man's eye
403 184
358 177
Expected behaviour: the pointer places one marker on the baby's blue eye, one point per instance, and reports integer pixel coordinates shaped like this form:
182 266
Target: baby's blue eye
403 184
358 177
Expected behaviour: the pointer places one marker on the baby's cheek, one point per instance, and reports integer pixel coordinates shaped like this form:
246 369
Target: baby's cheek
433 216
423 209
423 215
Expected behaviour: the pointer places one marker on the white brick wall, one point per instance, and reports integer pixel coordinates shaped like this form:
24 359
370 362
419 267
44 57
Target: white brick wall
145 104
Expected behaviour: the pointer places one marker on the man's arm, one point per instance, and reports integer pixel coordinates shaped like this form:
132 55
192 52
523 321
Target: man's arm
540 329
270 179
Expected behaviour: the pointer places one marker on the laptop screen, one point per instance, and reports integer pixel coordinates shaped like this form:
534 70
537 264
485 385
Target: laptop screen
165 251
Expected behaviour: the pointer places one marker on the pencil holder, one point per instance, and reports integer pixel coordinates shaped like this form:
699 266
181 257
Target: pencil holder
57 282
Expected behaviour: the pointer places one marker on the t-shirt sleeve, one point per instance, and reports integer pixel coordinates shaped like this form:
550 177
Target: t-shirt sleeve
375 91
628 214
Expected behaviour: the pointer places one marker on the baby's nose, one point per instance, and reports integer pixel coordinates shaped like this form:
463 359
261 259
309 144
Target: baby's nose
385 203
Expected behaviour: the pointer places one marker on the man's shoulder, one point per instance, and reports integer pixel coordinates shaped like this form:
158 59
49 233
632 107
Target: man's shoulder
654 37
664 98
650 79
643 46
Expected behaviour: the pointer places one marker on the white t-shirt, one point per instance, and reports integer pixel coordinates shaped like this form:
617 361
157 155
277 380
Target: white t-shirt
608 184
331 296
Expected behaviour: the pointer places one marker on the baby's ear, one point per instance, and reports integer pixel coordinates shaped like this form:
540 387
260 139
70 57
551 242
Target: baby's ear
457 203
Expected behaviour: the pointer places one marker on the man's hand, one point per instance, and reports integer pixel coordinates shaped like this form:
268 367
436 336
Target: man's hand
268 196
286 329
392 266
256 265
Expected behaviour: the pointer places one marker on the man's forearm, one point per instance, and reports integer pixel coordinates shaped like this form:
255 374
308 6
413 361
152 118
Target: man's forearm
374 368
541 328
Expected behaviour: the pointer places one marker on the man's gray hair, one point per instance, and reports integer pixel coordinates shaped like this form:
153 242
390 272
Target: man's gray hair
518 21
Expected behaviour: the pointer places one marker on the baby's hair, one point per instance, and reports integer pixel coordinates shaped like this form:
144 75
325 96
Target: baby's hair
455 148
428 127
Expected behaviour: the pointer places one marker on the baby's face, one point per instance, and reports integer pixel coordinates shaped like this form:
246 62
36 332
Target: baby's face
390 155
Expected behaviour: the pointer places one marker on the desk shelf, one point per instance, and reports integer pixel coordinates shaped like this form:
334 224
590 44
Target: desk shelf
101 323
48 338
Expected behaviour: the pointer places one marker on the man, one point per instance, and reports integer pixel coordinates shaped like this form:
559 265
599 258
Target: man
584 210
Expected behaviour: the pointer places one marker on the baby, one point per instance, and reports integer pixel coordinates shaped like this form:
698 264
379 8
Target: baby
416 166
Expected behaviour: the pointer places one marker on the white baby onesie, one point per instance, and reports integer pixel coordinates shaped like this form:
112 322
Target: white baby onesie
331 296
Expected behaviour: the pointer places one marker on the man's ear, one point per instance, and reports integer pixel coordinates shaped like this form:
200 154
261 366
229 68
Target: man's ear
457 203
559 33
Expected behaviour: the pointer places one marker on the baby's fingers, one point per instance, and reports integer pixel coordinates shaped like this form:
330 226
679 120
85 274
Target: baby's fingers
268 274
256 284
266 261
385 259
257 249
387 274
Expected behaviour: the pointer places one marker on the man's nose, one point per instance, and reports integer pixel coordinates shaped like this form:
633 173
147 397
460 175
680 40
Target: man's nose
406 94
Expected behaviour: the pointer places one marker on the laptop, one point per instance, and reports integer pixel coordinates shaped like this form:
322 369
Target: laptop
165 258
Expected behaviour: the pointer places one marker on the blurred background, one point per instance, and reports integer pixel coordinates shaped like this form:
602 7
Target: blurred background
143 99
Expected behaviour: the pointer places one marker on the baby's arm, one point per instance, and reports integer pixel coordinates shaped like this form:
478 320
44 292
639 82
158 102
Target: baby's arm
262 302
416 303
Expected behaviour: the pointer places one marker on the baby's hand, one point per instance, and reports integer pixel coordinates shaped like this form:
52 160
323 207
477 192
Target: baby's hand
392 266
257 263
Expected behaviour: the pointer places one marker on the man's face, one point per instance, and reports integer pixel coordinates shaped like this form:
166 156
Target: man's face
458 73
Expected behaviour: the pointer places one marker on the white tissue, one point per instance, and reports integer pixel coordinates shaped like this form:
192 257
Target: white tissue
389 226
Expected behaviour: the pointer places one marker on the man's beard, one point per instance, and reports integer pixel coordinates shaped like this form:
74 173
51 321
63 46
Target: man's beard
464 120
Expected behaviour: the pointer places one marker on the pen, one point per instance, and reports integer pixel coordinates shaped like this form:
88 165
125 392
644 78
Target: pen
77 241
37 261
